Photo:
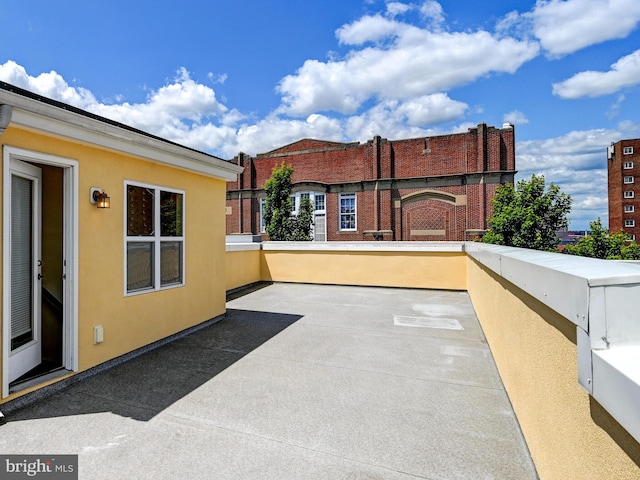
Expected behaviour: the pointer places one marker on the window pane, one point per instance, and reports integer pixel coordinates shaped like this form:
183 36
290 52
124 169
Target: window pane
139 211
348 222
170 214
348 212
170 263
319 198
347 205
139 265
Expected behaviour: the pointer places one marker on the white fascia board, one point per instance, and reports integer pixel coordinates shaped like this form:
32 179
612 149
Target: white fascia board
44 118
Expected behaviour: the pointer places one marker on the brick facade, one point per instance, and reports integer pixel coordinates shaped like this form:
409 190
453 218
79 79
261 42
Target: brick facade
430 188
623 169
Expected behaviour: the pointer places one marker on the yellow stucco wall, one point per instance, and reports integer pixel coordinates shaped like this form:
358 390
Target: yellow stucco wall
570 436
439 270
135 321
243 268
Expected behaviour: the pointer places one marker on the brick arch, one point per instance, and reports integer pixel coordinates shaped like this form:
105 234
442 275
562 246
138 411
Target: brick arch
429 215
430 194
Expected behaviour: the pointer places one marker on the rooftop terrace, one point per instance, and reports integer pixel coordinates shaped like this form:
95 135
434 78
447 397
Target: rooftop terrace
366 360
297 382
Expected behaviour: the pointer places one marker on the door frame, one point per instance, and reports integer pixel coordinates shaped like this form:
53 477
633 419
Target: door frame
70 254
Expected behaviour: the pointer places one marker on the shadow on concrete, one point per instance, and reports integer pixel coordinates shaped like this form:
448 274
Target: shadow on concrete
144 386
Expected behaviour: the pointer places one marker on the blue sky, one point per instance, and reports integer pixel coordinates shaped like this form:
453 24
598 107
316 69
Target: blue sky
226 76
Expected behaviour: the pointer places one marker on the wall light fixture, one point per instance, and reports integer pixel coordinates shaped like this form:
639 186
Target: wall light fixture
99 198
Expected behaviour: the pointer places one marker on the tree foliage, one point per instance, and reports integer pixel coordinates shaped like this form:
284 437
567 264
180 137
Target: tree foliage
281 224
599 243
528 215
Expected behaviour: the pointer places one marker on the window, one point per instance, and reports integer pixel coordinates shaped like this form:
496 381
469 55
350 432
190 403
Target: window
348 211
628 179
628 194
263 223
629 209
319 202
628 165
629 223
633 237
627 150
154 238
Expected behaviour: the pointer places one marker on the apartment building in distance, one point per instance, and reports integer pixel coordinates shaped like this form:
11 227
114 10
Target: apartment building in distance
623 169
429 188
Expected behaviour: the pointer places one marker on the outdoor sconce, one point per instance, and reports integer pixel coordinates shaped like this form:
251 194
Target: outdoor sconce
99 198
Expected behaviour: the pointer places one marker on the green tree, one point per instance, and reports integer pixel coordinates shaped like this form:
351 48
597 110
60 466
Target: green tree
528 215
599 243
304 220
281 224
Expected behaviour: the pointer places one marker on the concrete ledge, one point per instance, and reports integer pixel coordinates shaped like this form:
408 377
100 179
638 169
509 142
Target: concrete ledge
242 247
452 247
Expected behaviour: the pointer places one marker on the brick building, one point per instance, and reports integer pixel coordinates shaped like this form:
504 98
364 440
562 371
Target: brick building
623 169
429 188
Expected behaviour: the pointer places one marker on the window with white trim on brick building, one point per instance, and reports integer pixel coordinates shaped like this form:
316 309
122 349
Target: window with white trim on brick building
348 212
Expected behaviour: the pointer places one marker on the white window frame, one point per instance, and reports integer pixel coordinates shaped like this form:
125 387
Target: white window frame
627 150
627 165
345 196
629 194
629 223
263 224
156 239
633 237
628 179
629 209
316 197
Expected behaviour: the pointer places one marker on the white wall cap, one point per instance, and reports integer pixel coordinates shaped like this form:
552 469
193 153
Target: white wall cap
425 247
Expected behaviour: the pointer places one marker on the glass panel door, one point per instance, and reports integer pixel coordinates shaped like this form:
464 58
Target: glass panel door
24 253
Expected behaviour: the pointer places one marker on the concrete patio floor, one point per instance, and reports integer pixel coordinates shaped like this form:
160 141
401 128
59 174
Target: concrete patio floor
296 382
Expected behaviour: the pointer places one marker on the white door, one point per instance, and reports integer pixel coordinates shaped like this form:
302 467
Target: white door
320 228
25 272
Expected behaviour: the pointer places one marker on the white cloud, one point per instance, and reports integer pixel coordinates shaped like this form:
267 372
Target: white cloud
614 109
624 73
432 11
516 117
368 29
217 77
397 8
51 85
395 119
414 63
565 26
